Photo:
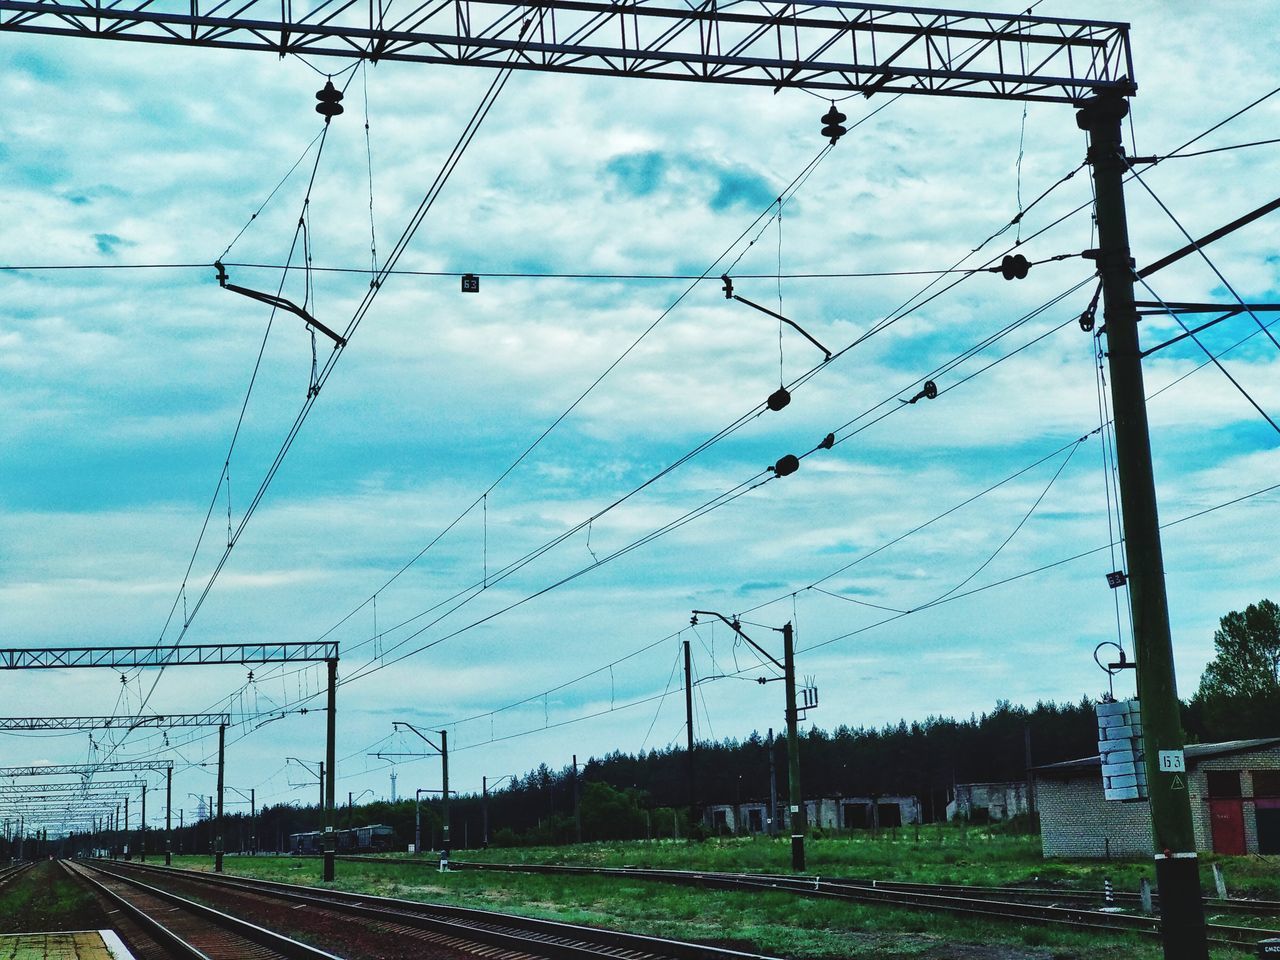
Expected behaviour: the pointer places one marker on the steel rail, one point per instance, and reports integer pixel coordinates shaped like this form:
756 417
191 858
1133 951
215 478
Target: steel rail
815 886
285 947
482 926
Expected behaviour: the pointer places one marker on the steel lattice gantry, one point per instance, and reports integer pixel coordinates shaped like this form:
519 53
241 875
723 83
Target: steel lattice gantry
167 655
85 769
115 723
825 45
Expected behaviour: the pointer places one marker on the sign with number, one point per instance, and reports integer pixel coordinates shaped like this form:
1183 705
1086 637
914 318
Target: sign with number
1172 761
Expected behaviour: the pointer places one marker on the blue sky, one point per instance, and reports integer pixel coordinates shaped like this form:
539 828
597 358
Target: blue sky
122 388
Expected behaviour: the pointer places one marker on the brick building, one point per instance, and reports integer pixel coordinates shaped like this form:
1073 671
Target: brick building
1235 804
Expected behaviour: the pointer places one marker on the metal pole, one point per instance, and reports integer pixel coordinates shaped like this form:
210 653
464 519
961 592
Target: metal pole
444 773
795 798
222 757
1182 921
688 717
143 851
773 785
577 802
168 817
484 812
330 839
253 821
417 822
127 851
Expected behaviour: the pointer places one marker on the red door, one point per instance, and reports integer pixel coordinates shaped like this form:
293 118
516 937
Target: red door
1227 818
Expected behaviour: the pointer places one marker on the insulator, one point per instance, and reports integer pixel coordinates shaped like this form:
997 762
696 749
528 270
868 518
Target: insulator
828 442
832 122
1014 267
330 98
787 465
778 399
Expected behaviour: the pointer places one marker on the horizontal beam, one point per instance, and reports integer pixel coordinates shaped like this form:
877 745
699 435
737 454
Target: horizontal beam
164 655
821 45
33 791
116 723
84 769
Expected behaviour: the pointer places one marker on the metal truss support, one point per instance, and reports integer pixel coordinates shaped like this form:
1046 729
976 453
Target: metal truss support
115 723
84 769
164 656
822 45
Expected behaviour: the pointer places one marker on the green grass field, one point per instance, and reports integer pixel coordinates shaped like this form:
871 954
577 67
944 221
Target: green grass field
777 923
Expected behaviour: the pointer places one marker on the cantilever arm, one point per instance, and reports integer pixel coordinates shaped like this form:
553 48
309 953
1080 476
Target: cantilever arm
785 320
279 302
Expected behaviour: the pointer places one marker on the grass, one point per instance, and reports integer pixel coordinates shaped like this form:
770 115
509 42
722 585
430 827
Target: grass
45 898
777 923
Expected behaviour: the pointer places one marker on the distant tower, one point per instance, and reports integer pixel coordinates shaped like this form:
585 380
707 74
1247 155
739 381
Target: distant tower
202 812
393 786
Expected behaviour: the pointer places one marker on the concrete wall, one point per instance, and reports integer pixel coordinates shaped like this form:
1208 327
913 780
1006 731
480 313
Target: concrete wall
999 801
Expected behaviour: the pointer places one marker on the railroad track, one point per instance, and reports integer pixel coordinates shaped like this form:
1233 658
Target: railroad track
188 930
461 930
13 870
962 900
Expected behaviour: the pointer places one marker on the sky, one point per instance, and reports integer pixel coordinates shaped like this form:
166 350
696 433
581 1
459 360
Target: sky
431 514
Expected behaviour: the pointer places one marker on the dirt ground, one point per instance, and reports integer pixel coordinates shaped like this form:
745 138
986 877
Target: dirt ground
45 898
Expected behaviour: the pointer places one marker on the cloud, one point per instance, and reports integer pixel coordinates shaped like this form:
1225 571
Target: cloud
108 243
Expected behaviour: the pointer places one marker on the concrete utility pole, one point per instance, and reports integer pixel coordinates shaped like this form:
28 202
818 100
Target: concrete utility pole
688 720
1182 924
330 756
577 802
797 819
168 817
222 756
142 853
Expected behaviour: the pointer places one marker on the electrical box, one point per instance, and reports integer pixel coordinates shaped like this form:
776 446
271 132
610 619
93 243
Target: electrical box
1124 772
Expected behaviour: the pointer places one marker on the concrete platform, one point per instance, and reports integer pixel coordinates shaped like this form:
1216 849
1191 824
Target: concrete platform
78 945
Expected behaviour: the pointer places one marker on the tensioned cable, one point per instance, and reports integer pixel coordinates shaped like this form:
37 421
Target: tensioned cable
318 381
483 497
472 591
1027 573
1205 257
368 668
1217 362
900 615
702 447
1210 130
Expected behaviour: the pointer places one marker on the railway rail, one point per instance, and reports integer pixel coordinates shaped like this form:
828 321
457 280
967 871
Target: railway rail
188 930
13 870
989 902
461 928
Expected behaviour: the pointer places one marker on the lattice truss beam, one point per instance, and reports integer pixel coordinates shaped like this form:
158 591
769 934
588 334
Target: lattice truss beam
84 769
167 655
58 791
823 45
116 723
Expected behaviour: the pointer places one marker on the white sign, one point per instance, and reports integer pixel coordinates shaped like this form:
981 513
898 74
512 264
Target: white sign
1172 761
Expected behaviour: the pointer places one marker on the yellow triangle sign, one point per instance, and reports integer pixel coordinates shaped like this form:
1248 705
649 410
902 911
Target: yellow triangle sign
1177 783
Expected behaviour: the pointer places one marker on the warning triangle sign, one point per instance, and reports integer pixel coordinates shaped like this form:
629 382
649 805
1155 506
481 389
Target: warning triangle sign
1177 783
